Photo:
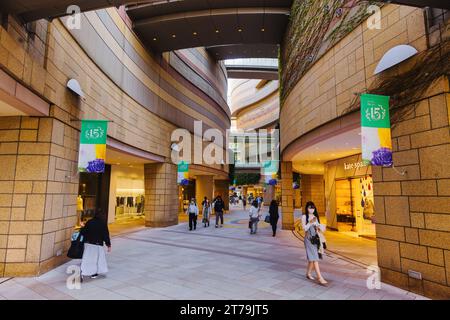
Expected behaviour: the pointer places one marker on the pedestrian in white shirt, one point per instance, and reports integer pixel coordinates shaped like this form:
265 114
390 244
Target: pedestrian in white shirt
192 211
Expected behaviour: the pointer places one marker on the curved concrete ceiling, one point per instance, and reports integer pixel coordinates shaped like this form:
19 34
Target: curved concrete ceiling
30 10
228 28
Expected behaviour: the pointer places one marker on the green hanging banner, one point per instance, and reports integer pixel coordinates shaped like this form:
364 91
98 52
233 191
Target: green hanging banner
92 152
183 173
376 141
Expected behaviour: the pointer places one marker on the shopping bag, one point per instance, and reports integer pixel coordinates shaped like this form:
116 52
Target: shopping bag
267 219
76 248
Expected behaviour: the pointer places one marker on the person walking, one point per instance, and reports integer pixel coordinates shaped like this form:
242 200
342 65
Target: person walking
274 216
206 211
192 211
219 205
311 226
254 214
95 234
244 202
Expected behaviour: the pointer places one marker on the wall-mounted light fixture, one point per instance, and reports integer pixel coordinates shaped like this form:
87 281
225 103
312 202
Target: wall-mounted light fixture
75 87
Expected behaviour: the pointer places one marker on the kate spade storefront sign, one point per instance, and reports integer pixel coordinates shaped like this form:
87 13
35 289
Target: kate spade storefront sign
355 165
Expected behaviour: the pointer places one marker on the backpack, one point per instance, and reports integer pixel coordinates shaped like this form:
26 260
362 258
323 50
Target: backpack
218 205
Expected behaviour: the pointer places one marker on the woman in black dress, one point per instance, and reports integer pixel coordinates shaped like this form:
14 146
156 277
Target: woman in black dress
274 216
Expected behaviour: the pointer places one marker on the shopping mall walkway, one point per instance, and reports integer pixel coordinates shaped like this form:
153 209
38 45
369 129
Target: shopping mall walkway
209 263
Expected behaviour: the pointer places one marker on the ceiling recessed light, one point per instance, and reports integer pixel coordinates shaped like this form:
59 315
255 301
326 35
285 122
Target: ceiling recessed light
240 30
194 33
262 29
174 36
217 31
154 39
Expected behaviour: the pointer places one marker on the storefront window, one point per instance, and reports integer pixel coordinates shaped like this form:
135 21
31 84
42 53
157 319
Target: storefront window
355 205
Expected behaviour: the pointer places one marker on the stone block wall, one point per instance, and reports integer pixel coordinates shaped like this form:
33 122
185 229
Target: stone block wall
38 188
313 190
287 196
161 194
413 210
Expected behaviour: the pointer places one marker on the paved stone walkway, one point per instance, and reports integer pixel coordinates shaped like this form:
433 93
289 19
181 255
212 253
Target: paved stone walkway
209 263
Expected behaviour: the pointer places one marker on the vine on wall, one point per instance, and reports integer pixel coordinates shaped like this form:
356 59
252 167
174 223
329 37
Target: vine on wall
315 26
408 88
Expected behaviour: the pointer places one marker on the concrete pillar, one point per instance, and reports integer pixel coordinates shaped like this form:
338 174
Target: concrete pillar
297 198
313 190
221 187
38 200
203 188
161 195
287 199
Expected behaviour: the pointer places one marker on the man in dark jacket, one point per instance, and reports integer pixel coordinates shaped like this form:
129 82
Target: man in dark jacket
219 205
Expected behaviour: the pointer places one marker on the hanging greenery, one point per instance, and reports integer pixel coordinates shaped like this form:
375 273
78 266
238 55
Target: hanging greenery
247 178
408 88
315 26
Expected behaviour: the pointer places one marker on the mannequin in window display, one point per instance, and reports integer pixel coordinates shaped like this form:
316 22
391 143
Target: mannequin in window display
79 209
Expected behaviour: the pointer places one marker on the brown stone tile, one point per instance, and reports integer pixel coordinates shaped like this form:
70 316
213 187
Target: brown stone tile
412 173
21 269
6 186
8 148
411 235
432 165
436 221
439 111
432 204
430 138
45 129
444 187
28 227
32 167
403 158
19 200
29 123
17 242
33 248
34 148
388 254
8 165
436 291
397 211
415 125
35 207
419 188
437 239
387 189
413 252
28 135
436 256
5 213
17 214
429 272
394 278
10 122
390 232
15 255
23 186
47 245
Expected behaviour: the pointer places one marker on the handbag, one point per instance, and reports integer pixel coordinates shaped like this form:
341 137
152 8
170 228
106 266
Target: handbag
76 248
250 224
267 219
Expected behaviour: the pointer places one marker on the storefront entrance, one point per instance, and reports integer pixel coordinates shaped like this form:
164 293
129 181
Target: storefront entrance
355 205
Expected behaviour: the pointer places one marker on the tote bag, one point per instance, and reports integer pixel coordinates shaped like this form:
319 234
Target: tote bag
76 248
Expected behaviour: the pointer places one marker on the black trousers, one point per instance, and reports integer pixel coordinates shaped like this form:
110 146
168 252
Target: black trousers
219 215
192 219
274 227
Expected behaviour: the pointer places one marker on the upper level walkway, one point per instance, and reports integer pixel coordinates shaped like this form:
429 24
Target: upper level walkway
208 263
